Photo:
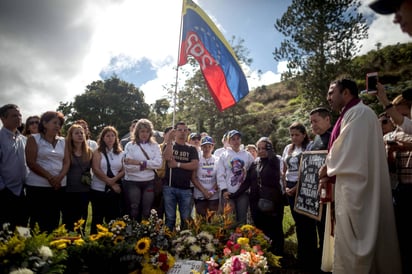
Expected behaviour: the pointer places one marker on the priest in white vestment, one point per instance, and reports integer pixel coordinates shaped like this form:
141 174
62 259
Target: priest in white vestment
365 234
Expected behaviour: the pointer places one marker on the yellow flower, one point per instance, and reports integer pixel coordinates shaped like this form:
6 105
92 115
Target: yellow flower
94 237
247 227
142 246
60 242
145 222
79 224
79 242
118 239
101 228
62 246
119 223
243 241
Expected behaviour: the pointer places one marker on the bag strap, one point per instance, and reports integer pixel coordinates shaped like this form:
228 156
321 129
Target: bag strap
107 159
78 163
147 156
144 152
259 179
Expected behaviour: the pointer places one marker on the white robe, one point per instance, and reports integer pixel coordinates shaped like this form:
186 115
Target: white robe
365 233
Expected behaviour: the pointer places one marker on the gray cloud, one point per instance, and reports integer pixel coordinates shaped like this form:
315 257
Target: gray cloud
42 44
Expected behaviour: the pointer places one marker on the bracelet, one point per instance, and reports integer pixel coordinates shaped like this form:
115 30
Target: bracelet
178 164
390 105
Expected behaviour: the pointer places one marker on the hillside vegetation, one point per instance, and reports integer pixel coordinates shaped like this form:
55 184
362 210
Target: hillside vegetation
274 107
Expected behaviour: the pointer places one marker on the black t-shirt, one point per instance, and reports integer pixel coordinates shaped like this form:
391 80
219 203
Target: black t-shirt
321 141
181 177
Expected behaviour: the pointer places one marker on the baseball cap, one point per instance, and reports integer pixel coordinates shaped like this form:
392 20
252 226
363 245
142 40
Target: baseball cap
386 6
194 135
233 133
407 94
207 140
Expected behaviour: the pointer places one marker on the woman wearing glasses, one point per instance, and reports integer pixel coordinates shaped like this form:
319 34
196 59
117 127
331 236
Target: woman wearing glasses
32 125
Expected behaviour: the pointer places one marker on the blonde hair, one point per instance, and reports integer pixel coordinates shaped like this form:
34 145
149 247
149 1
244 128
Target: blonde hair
143 124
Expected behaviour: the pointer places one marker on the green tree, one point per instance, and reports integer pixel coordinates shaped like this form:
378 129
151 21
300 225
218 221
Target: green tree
109 102
321 39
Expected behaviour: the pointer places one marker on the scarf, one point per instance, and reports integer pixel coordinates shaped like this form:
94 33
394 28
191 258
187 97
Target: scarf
336 128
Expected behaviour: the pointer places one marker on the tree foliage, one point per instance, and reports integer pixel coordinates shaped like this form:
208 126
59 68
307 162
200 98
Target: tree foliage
110 102
321 39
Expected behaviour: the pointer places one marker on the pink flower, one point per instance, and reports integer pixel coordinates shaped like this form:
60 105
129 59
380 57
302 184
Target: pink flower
227 251
236 264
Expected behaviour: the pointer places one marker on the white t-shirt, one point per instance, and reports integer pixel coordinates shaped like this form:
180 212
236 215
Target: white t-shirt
206 174
292 163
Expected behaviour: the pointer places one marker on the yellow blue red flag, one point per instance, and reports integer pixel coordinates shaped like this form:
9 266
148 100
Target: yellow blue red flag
218 63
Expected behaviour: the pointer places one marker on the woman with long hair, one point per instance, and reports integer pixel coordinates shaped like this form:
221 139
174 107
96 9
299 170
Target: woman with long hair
77 195
32 125
108 170
304 225
142 157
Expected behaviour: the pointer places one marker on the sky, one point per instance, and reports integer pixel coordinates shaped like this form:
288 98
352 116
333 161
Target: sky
50 50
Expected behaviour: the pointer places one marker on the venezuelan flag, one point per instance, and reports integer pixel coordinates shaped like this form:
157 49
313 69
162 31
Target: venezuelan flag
220 68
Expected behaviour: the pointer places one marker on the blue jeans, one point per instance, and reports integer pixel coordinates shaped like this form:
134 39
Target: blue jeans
174 197
240 207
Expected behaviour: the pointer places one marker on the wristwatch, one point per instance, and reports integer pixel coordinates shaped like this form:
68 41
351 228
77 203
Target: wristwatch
178 164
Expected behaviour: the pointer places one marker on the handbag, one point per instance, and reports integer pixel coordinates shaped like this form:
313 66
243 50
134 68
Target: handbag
109 173
86 178
266 205
158 184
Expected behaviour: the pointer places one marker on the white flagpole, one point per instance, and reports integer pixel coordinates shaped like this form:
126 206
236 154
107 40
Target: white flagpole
176 80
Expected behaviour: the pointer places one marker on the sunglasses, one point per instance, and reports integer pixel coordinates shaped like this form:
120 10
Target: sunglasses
33 122
384 121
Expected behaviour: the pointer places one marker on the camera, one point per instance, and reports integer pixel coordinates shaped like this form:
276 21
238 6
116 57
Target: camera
371 82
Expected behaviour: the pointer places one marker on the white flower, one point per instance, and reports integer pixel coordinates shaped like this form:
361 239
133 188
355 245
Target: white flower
195 249
45 252
190 240
205 234
22 271
210 247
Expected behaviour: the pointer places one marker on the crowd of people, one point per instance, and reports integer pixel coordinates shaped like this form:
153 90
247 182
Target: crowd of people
47 179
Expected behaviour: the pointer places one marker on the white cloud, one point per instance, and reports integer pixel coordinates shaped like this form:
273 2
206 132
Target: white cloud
381 30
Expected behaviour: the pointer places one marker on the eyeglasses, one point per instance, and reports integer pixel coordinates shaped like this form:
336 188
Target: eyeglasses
33 122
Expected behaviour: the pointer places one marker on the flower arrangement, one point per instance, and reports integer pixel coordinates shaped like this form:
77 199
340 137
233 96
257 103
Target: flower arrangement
22 252
123 246
127 246
187 245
